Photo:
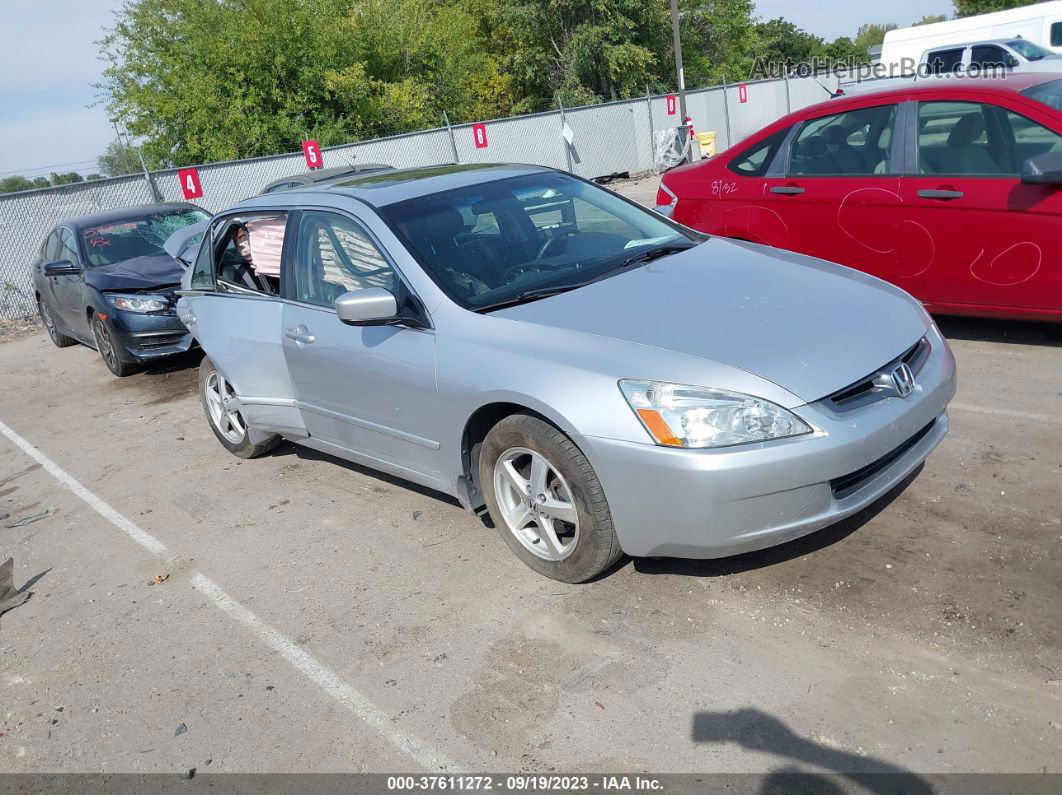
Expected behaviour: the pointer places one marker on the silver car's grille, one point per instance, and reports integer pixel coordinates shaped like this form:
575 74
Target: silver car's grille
871 388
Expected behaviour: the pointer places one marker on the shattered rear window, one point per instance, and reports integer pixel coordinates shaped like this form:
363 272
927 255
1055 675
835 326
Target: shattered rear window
107 244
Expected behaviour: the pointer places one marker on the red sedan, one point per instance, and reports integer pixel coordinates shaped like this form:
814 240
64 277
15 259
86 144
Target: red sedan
951 190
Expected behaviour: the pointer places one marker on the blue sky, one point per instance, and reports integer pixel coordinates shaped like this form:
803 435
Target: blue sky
48 62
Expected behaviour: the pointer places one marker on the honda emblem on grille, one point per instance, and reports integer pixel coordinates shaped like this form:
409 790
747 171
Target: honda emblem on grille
903 380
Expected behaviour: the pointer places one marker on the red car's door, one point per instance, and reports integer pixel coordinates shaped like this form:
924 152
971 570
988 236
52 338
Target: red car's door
975 237
838 199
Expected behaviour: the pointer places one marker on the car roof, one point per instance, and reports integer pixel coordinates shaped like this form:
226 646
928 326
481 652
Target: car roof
1000 86
1006 41
382 188
124 214
325 174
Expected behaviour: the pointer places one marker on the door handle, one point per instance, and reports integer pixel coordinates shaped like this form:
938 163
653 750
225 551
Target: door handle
300 334
786 190
941 194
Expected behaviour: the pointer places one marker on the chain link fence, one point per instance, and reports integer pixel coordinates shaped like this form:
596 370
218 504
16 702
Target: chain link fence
606 139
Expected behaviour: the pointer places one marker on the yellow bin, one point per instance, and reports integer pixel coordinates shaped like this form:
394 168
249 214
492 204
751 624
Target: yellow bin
707 143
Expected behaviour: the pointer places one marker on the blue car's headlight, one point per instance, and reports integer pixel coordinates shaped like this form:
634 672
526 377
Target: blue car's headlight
138 302
679 415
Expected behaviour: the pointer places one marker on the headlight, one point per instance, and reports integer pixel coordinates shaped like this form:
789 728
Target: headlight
139 303
678 415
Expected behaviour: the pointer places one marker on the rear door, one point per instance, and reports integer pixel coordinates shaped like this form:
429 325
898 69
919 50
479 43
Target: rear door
973 233
367 390
239 328
838 197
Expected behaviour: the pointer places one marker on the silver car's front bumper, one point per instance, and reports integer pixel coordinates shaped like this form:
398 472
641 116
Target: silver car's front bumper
713 503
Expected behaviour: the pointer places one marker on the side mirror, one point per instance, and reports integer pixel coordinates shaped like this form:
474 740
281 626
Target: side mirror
1043 169
368 307
63 267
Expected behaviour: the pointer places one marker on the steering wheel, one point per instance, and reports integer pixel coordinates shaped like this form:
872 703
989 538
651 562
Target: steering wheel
550 242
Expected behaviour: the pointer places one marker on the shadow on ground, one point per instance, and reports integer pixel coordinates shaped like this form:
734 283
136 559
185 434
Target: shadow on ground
755 730
1016 332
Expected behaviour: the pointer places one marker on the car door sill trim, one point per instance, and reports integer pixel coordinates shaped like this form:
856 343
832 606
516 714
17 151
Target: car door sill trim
371 426
267 401
414 475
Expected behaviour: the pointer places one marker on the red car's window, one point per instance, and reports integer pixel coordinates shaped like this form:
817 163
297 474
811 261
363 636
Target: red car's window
854 143
975 139
755 160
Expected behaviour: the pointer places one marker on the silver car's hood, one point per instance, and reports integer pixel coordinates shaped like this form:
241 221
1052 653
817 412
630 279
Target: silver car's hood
809 326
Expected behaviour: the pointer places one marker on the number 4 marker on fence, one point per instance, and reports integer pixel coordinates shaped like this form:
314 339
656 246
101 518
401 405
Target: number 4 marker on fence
191 187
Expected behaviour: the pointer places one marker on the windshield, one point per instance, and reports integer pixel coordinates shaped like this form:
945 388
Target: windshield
136 237
1034 52
494 242
1049 93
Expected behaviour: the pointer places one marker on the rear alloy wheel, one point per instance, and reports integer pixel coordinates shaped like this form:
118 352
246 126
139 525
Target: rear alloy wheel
222 408
108 350
59 339
546 500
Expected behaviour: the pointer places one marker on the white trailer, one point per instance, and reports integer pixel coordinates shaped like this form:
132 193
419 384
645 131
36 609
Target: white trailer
1040 23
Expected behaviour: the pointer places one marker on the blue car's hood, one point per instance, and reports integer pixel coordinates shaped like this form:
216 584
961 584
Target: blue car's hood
809 326
139 273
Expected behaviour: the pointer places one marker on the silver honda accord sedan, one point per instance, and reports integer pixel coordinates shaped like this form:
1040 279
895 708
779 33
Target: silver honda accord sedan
598 378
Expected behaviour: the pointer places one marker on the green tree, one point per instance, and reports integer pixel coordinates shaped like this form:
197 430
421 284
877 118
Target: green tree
15 183
780 41
718 39
581 50
201 80
930 19
968 8
66 178
118 159
872 34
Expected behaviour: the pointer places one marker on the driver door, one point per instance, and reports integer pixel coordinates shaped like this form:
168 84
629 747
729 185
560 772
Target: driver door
366 392
68 289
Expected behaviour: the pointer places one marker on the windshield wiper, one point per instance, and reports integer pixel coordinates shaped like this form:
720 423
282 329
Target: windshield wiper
653 253
545 292
527 296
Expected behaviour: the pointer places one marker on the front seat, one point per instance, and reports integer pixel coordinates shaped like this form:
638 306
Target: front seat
962 155
845 158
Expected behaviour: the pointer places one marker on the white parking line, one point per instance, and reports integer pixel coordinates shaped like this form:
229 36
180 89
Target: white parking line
304 662
1020 415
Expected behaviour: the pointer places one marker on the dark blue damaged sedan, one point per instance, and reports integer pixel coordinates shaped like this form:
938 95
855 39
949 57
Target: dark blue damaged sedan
104 280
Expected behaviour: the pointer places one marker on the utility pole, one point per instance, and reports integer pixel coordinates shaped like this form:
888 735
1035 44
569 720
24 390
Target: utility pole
681 80
678 60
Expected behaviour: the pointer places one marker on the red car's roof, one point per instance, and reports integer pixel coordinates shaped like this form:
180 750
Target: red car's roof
1009 85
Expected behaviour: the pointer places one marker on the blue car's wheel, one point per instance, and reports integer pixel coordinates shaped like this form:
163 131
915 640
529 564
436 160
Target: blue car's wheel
108 350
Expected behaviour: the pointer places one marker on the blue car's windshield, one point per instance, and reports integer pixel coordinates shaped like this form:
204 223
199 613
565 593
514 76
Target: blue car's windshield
107 244
492 243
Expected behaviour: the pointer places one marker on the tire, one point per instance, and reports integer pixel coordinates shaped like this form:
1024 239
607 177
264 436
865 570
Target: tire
228 426
108 350
58 338
575 551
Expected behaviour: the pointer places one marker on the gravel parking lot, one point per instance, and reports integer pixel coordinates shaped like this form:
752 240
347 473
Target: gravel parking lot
317 616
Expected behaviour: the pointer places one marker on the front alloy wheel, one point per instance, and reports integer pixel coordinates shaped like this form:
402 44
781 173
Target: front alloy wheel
536 503
545 499
108 350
